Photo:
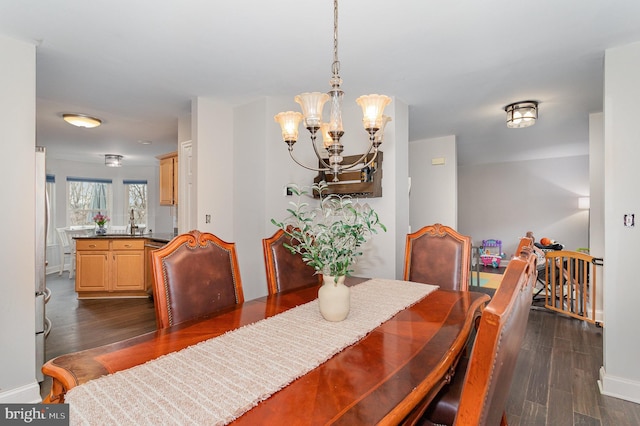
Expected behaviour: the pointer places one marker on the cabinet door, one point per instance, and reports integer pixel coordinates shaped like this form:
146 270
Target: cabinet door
128 270
148 268
175 180
166 182
92 271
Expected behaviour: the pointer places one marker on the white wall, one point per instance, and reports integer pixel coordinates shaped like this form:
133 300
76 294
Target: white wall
400 132
505 200
596 210
212 133
250 145
434 188
17 261
620 375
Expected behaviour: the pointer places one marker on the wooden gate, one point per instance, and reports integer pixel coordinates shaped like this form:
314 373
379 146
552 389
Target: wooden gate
570 284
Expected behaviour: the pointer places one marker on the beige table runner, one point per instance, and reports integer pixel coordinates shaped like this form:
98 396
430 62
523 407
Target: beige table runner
216 381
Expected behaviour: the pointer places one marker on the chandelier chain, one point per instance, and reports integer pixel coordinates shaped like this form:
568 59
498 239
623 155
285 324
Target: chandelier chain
332 130
335 67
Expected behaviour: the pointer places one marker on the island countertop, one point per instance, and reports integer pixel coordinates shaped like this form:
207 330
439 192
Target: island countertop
161 237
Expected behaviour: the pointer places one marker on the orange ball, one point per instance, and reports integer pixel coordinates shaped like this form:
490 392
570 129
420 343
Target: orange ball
545 241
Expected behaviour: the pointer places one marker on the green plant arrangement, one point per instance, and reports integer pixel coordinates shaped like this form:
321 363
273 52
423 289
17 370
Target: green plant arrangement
328 236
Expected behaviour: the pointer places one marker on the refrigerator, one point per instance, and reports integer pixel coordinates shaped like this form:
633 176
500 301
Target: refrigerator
42 293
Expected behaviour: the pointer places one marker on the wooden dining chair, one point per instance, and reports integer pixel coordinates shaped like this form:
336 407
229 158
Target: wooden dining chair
195 274
64 250
481 384
285 270
437 254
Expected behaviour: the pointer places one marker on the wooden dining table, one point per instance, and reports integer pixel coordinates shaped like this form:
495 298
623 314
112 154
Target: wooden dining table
380 379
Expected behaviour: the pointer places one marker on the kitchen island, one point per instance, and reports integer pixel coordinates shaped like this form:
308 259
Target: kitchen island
116 265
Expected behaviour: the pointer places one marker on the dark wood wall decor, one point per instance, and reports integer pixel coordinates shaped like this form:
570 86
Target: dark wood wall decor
365 183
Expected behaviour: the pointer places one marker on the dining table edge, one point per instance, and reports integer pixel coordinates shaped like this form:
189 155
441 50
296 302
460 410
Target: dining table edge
428 389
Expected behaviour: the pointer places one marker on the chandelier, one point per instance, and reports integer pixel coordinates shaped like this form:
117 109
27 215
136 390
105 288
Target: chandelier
312 104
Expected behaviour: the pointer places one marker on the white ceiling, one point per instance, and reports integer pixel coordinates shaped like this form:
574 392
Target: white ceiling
137 64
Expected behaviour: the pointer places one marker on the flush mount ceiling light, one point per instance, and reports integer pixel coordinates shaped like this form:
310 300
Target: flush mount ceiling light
112 160
331 130
81 120
521 114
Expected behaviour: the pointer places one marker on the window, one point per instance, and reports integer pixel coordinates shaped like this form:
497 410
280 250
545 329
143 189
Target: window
135 192
86 198
50 188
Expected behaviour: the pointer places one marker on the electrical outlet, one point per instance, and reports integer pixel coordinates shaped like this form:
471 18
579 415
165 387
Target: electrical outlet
207 218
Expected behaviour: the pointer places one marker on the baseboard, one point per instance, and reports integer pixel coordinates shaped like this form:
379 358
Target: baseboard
600 317
619 387
28 394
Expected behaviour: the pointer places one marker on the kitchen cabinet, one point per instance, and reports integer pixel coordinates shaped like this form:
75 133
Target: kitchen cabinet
110 267
148 248
168 179
92 272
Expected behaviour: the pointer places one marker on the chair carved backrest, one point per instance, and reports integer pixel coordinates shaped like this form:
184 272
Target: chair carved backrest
437 254
285 270
195 274
500 334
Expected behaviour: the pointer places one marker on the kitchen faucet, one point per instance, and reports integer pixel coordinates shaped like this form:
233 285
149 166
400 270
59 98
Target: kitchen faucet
132 223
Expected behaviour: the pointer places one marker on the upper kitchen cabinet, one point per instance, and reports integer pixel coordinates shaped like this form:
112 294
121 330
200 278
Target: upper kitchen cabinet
168 179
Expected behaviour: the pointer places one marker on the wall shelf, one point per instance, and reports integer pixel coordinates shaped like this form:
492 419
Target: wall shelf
354 183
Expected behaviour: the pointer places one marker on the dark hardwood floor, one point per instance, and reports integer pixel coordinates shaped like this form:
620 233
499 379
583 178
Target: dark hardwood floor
83 324
554 384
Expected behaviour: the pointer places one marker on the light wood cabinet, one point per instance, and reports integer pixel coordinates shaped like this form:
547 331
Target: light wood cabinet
110 267
168 179
92 265
148 268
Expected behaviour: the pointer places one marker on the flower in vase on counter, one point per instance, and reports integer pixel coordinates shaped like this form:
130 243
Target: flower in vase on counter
329 235
101 219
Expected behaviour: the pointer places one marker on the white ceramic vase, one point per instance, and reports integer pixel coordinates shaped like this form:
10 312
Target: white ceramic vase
334 299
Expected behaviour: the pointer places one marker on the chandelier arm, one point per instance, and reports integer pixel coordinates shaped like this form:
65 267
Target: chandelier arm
354 164
315 149
315 169
373 147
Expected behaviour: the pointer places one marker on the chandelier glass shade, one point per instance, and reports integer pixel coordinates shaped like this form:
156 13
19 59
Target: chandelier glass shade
521 114
312 104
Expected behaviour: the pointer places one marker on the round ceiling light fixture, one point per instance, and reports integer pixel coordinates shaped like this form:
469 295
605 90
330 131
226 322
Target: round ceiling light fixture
112 160
82 120
521 114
